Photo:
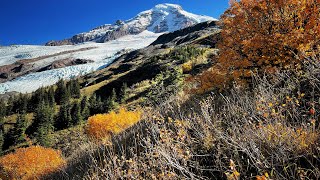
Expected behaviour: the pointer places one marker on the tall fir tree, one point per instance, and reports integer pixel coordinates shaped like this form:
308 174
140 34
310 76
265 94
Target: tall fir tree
85 111
76 114
20 103
19 129
111 102
123 95
62 94
51 94
96 104
10 104
43 124
38 97
64 119
3 111
74 88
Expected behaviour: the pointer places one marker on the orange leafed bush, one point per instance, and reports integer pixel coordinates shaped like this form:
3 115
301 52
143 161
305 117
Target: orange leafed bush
214 77
101 126
269 34
30 163
264 36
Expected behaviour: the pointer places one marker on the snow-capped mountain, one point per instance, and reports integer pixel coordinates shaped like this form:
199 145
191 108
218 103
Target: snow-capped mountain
25 68
161 18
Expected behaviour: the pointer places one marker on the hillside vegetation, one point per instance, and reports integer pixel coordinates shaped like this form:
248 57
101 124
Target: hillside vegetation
182 109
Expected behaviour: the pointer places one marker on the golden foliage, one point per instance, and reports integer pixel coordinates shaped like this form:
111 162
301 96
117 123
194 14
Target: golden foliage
302 139
263 36
102 126
30 163
187 67
268 34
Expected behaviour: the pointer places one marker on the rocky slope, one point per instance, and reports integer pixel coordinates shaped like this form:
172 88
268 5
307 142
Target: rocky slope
162 18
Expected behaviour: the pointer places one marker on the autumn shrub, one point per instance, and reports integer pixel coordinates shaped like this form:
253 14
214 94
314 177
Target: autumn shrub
265 36
301 139
30 163
101 126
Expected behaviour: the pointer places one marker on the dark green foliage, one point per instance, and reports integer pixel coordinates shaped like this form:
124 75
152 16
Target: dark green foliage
38 97
75 88
185 53
51 94
123 95
19 129
111 102
85 111
64 118
3 109
42 125
9 108
20 103
62 94
96 105
8 139
76 114
166 84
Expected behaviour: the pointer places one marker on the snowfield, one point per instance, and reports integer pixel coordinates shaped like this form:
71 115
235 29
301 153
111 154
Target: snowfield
102 55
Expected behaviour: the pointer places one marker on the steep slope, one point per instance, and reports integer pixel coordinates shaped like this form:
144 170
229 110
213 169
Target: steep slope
146 63
162 18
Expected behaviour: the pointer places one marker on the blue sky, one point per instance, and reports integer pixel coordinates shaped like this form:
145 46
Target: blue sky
38 21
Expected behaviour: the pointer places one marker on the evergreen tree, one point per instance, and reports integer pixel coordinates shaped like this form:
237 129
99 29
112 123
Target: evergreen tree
123 96
20 129
85 111
96 105
99 105
38 97
64 119
92 104
74 87
10 103
76 114
20 103
111 103
62 94
43 124
3 111
51 93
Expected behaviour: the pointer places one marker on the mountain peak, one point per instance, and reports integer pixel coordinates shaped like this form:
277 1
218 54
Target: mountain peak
161 18
167 6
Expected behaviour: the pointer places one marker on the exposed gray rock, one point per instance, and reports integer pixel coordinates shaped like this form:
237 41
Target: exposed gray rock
162 18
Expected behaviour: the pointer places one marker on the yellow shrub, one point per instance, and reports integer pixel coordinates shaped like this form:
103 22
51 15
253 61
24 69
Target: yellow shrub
187 67
300 139
102 126
30 163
